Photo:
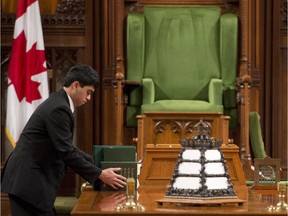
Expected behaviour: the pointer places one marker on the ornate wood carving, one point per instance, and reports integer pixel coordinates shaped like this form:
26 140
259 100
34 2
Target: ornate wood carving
176 126
171 127
68 12
283 10
232 7
71 7
180 127
133 6
60 60
7 19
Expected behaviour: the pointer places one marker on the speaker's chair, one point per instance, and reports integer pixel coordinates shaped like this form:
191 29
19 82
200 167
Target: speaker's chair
185 60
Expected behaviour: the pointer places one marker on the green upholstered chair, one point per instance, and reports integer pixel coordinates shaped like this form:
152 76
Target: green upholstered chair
256 140
185 58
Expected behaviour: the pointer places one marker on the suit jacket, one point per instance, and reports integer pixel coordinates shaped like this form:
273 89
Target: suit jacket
43 151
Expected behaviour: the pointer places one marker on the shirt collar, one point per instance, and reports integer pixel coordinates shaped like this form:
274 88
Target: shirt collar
71 103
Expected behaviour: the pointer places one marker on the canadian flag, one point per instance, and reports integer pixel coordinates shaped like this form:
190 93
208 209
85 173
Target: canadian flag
27 74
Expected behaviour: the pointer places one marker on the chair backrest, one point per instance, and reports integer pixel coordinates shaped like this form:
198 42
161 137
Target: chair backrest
181 49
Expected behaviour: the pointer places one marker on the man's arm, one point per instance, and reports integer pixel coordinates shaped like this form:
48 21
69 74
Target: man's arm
59 129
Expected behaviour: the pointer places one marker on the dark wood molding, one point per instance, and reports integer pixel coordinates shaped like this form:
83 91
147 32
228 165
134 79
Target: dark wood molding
283 14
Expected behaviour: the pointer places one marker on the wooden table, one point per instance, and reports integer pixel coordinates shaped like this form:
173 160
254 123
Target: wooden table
104 203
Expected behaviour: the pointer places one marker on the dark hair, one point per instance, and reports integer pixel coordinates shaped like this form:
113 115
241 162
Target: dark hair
82 73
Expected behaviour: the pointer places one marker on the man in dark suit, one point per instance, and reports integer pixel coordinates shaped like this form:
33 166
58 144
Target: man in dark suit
34 170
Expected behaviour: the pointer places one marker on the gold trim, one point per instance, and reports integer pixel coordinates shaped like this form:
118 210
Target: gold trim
10 137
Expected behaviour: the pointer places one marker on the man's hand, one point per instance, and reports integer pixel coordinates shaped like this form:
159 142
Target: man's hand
109 177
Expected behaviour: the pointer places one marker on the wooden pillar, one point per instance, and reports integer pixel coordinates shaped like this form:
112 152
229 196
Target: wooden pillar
244 83
120 73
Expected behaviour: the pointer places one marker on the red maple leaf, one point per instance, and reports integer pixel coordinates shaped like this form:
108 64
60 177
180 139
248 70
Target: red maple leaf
23 66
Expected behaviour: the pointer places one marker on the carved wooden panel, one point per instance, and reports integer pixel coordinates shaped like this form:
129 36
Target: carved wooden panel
171 127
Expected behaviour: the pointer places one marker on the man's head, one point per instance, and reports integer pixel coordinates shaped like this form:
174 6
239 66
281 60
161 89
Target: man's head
80 83
84 74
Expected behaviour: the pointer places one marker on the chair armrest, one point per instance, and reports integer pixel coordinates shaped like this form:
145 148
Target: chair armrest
148 91
132 83
215 91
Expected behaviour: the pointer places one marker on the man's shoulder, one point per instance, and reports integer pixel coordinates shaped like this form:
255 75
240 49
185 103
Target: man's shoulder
57 100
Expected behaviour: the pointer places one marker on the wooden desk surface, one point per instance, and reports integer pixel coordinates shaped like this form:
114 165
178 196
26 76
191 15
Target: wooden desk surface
104 203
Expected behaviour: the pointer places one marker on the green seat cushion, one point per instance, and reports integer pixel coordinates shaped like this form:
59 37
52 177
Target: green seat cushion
182 106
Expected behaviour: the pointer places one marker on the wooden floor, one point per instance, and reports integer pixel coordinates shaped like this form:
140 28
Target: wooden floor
105 202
